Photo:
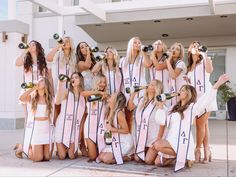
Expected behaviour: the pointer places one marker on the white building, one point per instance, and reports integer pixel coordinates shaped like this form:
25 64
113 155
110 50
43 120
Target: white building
113 23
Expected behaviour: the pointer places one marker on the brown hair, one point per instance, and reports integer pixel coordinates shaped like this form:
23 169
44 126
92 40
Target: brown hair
80 57
181 55
192 97
190 57
81 85
41 61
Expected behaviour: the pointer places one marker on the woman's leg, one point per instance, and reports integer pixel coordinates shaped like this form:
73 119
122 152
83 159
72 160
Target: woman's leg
61 151
164 147
46 152
71 151
92 149
108 158
151 156
37 153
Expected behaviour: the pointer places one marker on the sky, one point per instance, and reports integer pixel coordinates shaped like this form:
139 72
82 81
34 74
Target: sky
3 9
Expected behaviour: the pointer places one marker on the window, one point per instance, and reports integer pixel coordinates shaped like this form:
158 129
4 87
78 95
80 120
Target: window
41 9
76 2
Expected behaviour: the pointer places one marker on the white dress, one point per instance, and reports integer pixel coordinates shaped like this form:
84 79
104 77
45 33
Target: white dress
88 79
191 75
41 129
172 134
180 79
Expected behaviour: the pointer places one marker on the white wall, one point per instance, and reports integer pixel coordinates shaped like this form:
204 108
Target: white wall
230 65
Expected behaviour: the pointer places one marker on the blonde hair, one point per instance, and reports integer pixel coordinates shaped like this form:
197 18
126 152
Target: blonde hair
48 97
72 58
115 59
119 105
129 53
96 81
158 91
164 46
181 55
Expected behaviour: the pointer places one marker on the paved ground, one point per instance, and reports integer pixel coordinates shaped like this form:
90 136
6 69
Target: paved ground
221 166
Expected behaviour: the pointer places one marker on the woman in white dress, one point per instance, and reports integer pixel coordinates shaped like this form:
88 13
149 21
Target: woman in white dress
177 68
147 131
39 124
96 111
179 140
122 142
199 69
109 66
85 62
69 124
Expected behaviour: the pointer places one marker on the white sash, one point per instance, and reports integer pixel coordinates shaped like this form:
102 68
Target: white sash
117 80
96 111
142 116
131 76
32 75
184 138
173 88
200 78
73 119
116 146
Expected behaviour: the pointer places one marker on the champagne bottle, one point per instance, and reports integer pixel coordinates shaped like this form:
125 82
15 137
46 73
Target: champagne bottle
58 38
135 89
146 48
95 49
63 77
108 136
100 57
164 56
166 96
94 98
202 48
23 46
27 85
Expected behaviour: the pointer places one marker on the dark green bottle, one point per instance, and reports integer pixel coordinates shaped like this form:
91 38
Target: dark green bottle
135 89
27 85
92 98
63 77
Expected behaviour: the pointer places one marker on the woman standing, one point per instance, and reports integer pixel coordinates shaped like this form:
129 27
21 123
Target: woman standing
39 125
69 125
159 70
133 66
176 68
85 62
63 57
199 70
34 63
96 110
121 146
179 140
147 130
109 66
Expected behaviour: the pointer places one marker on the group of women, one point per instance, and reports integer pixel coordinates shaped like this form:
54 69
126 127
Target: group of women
143 129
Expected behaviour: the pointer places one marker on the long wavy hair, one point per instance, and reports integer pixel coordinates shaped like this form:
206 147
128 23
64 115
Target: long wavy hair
181 55
80 57
115 59
192 97
119 105
47 95
190 57
72 59
41 60
81 85
158 91
130 54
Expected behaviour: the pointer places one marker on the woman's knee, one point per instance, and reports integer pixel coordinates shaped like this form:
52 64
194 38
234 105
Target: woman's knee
61 155
38 157
149 161
107 159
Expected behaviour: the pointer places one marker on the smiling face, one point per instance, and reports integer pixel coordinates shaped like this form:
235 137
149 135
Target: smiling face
102 84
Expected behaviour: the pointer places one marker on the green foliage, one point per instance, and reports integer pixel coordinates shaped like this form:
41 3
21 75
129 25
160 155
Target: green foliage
226 92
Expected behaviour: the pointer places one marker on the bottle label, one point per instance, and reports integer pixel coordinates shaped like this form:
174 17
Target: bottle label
163 97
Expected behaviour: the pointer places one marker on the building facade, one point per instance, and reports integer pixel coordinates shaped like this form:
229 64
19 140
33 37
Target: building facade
105 23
